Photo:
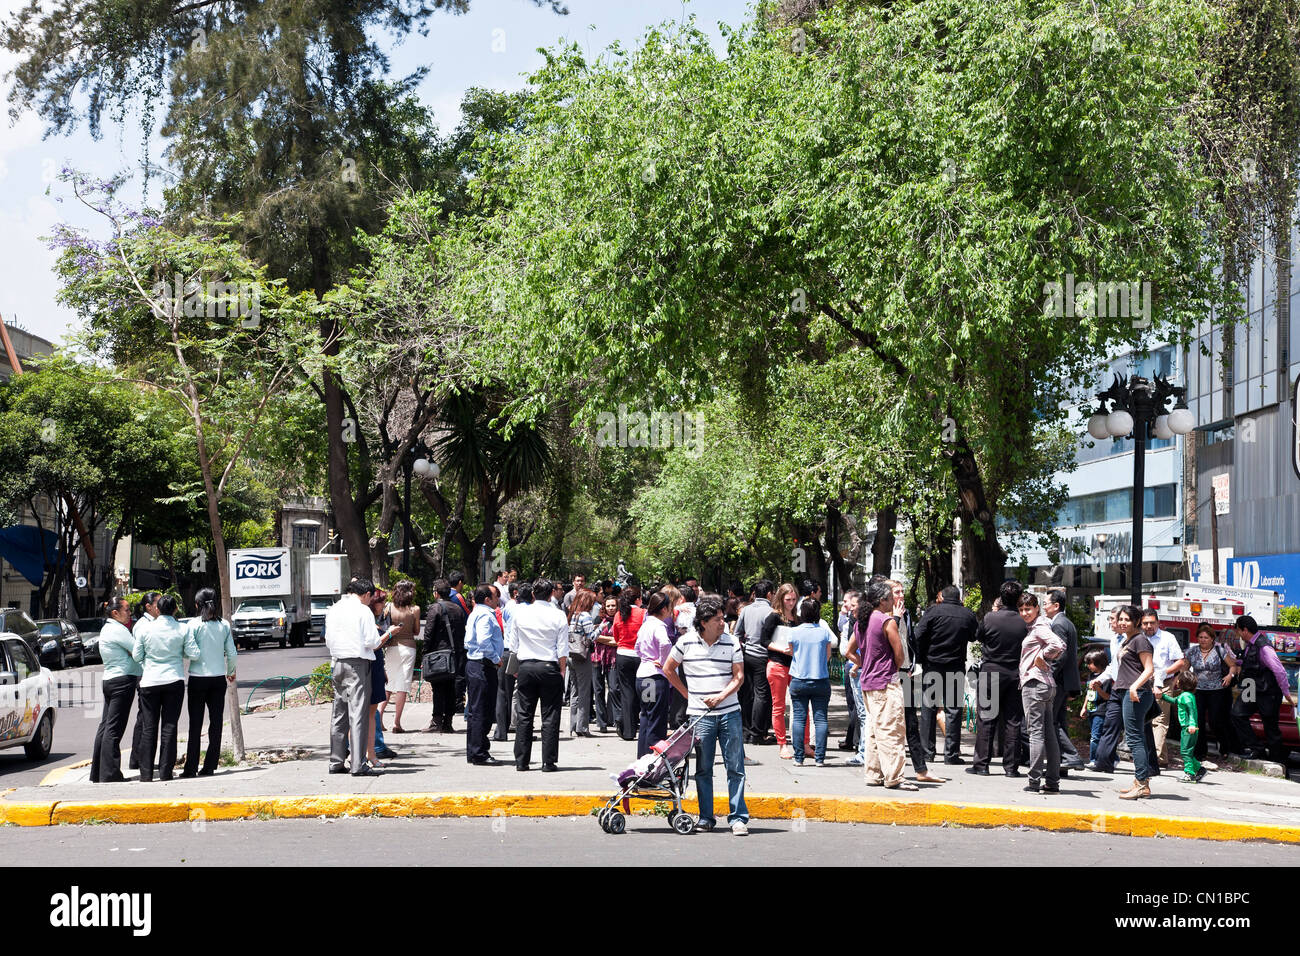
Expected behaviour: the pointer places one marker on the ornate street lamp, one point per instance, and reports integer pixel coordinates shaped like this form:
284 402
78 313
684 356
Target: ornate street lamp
1135 406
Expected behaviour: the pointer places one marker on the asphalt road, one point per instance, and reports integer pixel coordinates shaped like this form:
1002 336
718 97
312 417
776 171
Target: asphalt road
503 841
78 715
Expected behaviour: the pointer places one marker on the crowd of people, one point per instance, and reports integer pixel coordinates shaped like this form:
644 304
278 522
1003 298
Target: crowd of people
145 664
752 668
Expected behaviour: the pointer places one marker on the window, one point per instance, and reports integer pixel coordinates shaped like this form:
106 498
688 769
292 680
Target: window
20 656
1158 502
304 536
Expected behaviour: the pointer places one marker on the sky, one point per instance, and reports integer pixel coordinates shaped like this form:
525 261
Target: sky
493 46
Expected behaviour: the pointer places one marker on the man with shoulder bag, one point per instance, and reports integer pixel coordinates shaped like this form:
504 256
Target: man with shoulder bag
439 664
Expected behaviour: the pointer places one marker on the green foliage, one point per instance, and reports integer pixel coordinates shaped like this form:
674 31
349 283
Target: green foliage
1080 616
1288 616
974 598
321 682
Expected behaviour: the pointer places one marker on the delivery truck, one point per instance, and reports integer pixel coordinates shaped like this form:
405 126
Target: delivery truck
330 576
270 590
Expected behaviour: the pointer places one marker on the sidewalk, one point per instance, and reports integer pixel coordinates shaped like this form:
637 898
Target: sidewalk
431 777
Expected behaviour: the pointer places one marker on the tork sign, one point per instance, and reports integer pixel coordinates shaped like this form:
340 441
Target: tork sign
257 573
1268 571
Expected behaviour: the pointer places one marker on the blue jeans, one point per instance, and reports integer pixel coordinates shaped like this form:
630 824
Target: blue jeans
816 693
379 735
1095 723
727 729
1135 718
860 705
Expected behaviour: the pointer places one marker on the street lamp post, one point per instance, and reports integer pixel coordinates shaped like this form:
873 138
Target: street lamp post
1135 406
1101 546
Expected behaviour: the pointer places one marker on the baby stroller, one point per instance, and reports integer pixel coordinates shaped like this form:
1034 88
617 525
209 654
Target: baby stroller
659 775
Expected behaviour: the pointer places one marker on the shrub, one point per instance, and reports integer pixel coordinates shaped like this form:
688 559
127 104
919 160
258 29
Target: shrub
321 682
1288 616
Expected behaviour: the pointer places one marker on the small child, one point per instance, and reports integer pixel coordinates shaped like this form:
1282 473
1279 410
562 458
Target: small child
1096 662
1185 683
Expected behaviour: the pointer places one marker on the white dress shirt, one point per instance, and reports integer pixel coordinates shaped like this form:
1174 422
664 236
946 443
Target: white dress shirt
538 632
1165 652
350 629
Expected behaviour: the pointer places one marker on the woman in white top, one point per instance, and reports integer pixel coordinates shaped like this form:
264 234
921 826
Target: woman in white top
160 647
210 649
653 646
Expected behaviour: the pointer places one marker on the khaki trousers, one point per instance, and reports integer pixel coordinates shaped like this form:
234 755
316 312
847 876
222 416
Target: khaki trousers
885 741
1160 725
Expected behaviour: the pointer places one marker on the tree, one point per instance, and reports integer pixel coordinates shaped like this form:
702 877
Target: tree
278 113
74 436
670 220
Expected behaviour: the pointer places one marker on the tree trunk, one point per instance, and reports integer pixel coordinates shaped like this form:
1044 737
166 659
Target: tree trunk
834 532
987 557
882 549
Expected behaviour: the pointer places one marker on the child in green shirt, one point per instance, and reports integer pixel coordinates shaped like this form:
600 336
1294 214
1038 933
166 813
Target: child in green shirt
1193 772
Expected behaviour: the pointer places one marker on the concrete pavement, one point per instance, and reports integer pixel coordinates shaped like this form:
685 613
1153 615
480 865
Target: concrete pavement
431 778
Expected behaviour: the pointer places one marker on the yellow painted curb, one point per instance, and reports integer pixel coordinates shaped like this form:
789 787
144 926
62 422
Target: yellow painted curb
834 809
58 773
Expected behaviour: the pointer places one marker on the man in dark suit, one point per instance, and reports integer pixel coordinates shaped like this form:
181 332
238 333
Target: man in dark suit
445 627
1065 671
942 637
998 689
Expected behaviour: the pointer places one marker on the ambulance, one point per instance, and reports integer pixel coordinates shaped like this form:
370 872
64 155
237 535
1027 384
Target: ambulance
27 701
1185 605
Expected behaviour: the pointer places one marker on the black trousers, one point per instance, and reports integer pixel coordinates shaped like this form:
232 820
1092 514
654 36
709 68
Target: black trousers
133 762
505 705
106 757
760 718
205 693
912 722
1212 709
1060 720
1112 730
1267 706
676 708
481 688
538 680
444 703
607 709
656 700
628 699
945 687
999 710
160 712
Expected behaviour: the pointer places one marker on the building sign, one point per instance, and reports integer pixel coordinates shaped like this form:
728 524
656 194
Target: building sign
1081 549
1268 571
1221 499
1200 565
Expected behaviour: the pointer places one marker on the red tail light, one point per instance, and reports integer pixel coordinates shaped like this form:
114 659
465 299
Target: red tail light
1153 604
1239 609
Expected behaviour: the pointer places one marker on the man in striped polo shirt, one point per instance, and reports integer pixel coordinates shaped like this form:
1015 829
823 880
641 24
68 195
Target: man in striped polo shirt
713 664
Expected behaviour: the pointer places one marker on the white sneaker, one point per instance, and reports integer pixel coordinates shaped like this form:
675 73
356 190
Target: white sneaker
739 829
787 752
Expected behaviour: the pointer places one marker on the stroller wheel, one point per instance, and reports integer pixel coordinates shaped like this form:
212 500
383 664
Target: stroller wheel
673 815
683 823
617 822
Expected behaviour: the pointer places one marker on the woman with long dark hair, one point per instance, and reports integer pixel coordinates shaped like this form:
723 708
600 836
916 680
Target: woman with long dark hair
160 648
399 655
626 627
210 649
1214 666
779 659
604 657
121 680
1133 679
652 647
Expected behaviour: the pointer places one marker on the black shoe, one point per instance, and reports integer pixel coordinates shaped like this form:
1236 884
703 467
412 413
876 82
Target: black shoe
1049 788
549 768
1032 787
206 773
981 771
368 771
845 745
189 773
386 754
521 767
1064 773
500 740
954 761
339 769
1012 773
486 762
118 778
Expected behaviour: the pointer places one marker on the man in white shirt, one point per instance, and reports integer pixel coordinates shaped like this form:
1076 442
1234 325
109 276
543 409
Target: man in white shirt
538 634
351 636
1167 659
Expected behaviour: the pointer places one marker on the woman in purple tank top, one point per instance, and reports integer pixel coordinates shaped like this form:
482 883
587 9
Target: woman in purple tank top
881 656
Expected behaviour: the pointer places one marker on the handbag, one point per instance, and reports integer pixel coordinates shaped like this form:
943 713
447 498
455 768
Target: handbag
580 641
439 665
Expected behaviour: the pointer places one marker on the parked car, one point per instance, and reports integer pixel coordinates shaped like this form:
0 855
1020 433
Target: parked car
26 699
260 619
18 623
59 641
319 608
90 628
